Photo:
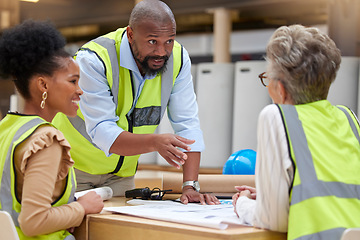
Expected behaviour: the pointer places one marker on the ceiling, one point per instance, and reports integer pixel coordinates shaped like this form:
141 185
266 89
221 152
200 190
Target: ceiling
84 19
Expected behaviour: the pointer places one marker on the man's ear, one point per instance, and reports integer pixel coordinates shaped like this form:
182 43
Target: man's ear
129 33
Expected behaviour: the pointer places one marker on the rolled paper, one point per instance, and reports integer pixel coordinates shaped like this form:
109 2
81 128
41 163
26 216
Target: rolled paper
105 192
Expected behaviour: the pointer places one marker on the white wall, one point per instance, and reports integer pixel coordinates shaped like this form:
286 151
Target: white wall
345 88
250 97
215 89
241 42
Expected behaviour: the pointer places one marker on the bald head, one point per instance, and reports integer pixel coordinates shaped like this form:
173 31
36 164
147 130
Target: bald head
151 10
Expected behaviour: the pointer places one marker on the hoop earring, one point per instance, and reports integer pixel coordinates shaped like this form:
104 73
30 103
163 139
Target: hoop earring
44 97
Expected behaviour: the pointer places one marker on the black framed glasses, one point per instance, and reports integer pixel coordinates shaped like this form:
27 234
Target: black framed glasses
264 79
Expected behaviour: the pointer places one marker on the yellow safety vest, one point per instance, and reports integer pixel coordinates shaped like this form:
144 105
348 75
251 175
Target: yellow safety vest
324 146
144 119
14 129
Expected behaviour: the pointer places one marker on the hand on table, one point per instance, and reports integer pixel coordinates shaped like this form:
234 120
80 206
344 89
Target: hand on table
92 202
190 195
252 191
244 191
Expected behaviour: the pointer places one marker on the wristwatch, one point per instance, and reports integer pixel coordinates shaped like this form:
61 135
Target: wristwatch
194 184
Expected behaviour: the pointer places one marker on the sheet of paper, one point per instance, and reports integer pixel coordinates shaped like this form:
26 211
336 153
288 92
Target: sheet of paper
212 216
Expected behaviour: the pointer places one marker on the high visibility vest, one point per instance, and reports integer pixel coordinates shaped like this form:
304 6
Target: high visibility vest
14 129
324 146
144 118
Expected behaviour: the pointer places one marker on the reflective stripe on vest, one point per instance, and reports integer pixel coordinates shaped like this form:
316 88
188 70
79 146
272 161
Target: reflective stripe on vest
73 184
5 190
142 116
79 124
352 125
23 127
306 170
327 234
109 44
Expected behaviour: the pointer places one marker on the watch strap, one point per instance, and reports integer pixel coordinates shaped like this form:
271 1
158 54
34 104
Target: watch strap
194 184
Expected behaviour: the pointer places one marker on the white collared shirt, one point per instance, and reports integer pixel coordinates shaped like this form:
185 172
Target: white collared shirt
274 175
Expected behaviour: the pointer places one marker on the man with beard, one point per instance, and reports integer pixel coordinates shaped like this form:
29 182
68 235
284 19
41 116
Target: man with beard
130 77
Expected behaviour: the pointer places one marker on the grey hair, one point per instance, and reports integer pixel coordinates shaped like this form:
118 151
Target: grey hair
304 60
151 10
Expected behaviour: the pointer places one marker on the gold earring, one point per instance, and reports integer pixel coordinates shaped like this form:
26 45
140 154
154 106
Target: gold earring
44 97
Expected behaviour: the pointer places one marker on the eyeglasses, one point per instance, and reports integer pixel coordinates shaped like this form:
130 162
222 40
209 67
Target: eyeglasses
264 79
146 193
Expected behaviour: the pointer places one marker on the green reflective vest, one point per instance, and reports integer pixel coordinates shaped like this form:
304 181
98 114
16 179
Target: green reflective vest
14 129
144 118
324 147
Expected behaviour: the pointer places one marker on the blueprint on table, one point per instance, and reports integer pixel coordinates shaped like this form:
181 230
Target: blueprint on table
213 216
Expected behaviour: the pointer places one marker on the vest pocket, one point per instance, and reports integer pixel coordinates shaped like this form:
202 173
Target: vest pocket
146 116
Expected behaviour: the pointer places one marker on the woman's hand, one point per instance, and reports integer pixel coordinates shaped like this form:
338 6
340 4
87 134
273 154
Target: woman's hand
252 191
92 202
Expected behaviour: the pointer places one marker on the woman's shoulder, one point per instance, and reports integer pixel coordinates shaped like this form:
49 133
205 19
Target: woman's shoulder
269 111
45 136
49 134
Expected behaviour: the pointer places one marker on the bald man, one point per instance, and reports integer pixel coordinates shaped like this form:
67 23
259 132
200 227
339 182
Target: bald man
130 78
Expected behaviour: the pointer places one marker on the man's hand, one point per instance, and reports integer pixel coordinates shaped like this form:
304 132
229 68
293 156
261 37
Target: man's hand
190 195
167 146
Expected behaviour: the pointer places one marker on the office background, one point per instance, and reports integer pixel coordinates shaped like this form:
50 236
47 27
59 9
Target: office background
226 41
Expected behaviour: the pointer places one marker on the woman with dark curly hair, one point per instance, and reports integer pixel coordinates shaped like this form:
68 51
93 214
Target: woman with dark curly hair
37 178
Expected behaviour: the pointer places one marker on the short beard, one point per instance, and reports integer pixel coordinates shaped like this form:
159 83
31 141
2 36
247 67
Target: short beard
144 63
150 71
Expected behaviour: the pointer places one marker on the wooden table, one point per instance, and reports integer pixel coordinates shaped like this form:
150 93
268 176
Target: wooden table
107 226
